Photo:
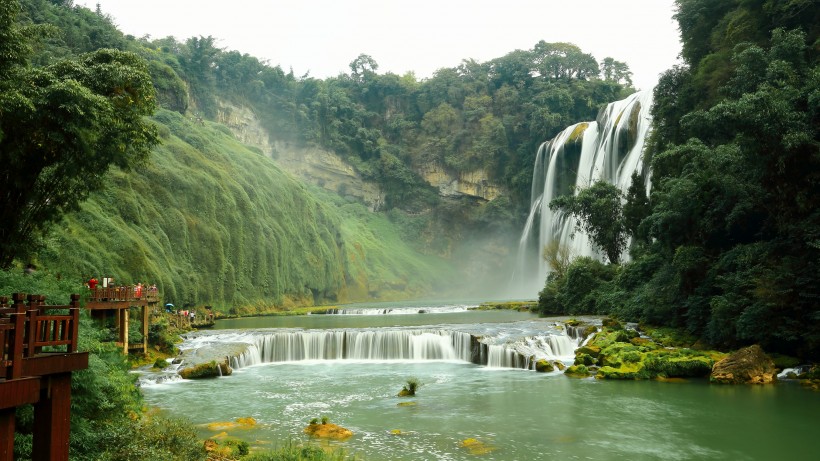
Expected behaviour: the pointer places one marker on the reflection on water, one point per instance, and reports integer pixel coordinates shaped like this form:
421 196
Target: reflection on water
516 414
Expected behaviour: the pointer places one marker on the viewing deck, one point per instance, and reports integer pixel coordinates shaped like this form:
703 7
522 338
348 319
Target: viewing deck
38 353
104 302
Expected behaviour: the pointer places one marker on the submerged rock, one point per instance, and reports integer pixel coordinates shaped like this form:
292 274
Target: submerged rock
749 365
476 447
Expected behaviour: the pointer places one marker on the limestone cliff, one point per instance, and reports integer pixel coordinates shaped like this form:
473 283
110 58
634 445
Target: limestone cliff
474 183
329 171
312 164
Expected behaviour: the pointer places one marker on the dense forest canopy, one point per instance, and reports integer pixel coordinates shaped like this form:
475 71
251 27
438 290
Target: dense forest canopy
729 244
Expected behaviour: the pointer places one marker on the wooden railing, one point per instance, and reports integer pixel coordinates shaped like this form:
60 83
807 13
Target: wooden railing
38 354
124 293
28 325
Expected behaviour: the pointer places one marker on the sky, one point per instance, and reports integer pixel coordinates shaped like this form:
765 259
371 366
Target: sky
322 37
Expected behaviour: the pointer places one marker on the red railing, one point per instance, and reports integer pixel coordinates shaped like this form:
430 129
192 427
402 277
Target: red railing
124 293
27 327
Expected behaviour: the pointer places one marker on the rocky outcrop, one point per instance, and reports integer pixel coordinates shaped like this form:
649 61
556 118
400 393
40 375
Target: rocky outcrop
245 126
328 171
473 184
749 365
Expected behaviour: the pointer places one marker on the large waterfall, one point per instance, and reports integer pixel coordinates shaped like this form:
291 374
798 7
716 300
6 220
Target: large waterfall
608 149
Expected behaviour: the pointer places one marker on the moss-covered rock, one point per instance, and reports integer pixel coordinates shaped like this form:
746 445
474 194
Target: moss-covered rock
584 359
629 371
749 365
591 350
210 369
612 324
544 366
328 431
578 371
679 364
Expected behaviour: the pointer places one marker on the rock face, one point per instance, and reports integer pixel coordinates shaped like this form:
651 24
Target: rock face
473 184
244 124
311 164
749 365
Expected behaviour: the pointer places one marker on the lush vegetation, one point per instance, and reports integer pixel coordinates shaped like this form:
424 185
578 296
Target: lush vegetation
211 221
728 245
63 125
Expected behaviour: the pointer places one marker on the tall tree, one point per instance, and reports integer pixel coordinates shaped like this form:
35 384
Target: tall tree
61 128
598 211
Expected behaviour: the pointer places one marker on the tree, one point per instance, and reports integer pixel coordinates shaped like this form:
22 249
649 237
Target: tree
363 67
598 210
616 71
61 128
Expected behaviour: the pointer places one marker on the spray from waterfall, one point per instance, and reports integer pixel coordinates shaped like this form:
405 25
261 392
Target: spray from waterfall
608 149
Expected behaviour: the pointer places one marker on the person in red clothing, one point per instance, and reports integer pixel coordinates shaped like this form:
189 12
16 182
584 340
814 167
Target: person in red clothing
92 283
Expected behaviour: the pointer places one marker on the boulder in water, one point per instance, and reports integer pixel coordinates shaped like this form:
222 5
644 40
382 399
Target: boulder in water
328 431
210 369
749 365
544 366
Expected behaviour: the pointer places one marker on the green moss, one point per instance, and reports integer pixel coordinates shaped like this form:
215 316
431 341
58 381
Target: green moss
544 366
577 371
210 369
578 133
584 359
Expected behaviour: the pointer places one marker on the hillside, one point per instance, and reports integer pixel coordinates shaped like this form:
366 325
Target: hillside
211 221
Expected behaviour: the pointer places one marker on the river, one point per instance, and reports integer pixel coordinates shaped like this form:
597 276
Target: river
513 413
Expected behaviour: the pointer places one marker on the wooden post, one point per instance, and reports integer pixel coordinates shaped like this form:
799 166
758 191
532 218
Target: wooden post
74 335
144 329
7 434
52 416
124 331
16 342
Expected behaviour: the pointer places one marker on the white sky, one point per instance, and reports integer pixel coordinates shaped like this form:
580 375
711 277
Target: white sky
324 36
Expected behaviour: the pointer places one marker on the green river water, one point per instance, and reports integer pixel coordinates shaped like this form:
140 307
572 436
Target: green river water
516 414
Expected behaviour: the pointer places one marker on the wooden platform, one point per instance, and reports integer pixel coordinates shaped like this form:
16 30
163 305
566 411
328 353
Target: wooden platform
38 353
115 302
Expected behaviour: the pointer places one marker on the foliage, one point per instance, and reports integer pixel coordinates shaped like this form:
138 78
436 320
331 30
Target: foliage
598 210
727 243
558 258
63 127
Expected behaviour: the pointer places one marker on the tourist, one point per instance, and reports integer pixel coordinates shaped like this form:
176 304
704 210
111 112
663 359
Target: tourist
92 283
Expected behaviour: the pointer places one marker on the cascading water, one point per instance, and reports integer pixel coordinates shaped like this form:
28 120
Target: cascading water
608 149
511 345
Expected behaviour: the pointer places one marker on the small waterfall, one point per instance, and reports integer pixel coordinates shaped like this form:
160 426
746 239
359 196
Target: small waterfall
398 310
501 350
608 149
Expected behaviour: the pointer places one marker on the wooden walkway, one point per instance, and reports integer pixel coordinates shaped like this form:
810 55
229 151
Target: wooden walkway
116 302
38 353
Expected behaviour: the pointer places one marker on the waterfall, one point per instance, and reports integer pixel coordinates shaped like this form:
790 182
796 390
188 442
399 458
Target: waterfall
608 149
400 345
403 310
